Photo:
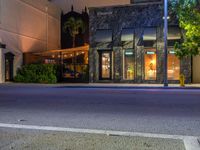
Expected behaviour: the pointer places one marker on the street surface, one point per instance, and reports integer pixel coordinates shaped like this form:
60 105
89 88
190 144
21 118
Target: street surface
163 111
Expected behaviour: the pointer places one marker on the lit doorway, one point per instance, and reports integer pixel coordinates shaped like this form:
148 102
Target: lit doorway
105 65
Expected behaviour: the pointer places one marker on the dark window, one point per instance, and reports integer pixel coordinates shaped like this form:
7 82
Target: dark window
174 36
149 37
127 38
103 35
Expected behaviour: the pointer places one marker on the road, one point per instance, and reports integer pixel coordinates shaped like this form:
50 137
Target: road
164 111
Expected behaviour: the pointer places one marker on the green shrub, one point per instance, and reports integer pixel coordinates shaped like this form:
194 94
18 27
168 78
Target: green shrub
37 73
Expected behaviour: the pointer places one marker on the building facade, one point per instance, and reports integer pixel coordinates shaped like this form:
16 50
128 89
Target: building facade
126 45
26 26
126 41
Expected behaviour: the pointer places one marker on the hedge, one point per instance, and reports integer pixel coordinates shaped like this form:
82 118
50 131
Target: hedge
37 73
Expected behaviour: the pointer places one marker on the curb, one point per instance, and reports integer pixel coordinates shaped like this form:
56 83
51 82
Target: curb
128 87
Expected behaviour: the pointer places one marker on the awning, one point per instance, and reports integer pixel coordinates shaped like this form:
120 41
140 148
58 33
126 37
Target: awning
149 34
103 35
68 50
127 35
174 33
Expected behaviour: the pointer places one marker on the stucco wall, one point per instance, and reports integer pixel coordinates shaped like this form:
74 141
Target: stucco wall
28 26
24 25
196 70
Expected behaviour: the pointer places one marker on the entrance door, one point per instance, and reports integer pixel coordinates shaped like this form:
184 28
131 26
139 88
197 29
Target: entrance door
105 65
9 57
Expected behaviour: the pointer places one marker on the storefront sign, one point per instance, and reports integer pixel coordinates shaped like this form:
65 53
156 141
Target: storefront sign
150 53
172 52
104 13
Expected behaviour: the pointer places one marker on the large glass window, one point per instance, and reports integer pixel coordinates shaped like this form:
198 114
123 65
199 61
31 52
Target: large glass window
173 66
150 44
150 65
103 35
129 64
75 64
105 65
174 35
149 37
103 38
127 38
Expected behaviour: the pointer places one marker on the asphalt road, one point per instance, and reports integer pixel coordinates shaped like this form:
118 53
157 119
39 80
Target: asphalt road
167 111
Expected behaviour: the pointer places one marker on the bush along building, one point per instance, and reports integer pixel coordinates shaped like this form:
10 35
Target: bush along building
127 46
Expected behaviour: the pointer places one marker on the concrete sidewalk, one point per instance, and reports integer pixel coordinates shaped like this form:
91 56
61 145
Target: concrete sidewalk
19 139
102 85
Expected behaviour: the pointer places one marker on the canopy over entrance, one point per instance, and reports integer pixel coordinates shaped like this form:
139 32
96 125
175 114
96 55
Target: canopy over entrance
73 62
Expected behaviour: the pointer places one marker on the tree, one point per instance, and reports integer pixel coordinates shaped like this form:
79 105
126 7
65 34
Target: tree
74 26
188 13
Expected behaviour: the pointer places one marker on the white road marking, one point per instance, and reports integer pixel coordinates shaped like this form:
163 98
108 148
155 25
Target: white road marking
190 142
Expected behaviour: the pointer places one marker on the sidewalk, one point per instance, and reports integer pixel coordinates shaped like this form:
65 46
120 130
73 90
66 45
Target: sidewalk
103 85
19 139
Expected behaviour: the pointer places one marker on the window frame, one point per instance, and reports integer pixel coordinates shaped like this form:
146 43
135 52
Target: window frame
122 42
146 49
134 64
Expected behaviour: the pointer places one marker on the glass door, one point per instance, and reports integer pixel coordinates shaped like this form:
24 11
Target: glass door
105 66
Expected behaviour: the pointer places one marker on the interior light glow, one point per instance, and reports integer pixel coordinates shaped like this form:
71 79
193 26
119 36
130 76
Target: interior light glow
128 53
150 53
172 52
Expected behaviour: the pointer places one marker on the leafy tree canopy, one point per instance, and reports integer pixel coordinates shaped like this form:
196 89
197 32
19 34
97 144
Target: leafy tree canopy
188 12
74 26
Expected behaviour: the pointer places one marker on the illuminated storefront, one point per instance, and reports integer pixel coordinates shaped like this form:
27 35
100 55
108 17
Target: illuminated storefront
73 62
174 35
127 46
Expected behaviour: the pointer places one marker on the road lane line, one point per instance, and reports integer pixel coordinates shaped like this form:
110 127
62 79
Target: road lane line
190 142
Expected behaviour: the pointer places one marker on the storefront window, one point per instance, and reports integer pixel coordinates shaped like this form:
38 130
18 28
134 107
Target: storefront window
127 38
173 66
103 38
149 37
75 64
106 60
174 36
150 65
129 64
103 35
150 44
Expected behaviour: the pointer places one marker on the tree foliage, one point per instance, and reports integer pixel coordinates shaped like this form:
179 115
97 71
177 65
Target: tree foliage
74 26
188 13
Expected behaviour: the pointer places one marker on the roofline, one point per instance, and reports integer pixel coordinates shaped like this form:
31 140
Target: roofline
126 5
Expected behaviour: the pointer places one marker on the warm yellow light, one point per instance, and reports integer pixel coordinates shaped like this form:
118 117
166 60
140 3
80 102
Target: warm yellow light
153 61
